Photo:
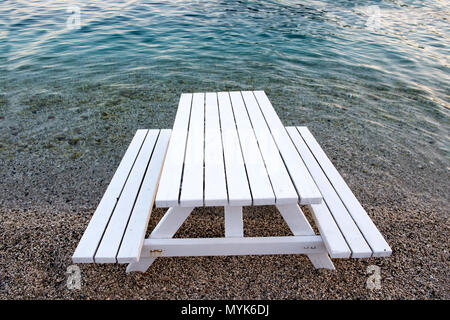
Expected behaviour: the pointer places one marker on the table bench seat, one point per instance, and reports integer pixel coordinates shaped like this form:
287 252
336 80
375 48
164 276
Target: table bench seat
344 225
117 229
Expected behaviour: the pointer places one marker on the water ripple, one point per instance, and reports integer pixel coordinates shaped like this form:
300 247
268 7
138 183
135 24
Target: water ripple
392 75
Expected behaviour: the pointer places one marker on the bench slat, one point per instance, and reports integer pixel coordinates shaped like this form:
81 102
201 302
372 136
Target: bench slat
237 183
281 182
306 188
133 239
192 182
350 231
372 235
260 186
332 237
169 185
215 184
110 243
88 244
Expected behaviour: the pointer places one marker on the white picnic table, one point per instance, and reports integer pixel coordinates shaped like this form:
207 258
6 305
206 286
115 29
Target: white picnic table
227 149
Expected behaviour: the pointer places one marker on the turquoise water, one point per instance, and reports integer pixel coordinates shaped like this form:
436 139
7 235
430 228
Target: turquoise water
369 70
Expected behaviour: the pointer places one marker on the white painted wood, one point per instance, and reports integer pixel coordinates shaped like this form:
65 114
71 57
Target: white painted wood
306 188
133 239
234 224
171 222
88 244
215 184
140 266
332 237
370 232
233 246
259 181
169 185
165 229
192 182
295 219
110 243
236 176
299 226
233 145
347 226
321 261
281 182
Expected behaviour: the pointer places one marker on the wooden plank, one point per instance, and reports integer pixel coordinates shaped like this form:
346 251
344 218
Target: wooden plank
332 237
112 238
370 232
348 228
133 239
192 182
169 185
232 246
236 176
88 244
281 182
334 241
259 181
306 188
215 184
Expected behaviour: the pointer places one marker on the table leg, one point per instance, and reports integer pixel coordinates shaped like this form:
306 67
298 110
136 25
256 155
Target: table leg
300 226
166 228
234 225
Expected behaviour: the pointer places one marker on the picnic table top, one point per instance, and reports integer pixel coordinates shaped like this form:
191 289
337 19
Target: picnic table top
230 148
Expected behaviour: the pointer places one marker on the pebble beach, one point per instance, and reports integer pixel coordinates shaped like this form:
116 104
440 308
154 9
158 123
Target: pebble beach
49 197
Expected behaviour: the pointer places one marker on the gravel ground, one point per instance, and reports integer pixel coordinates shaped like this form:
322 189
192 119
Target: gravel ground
36 246
42 220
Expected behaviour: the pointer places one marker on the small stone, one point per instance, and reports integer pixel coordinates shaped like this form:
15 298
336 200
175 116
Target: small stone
75 155
74 141
104 115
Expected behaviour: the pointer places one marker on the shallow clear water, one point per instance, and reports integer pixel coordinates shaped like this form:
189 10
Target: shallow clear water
381 67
